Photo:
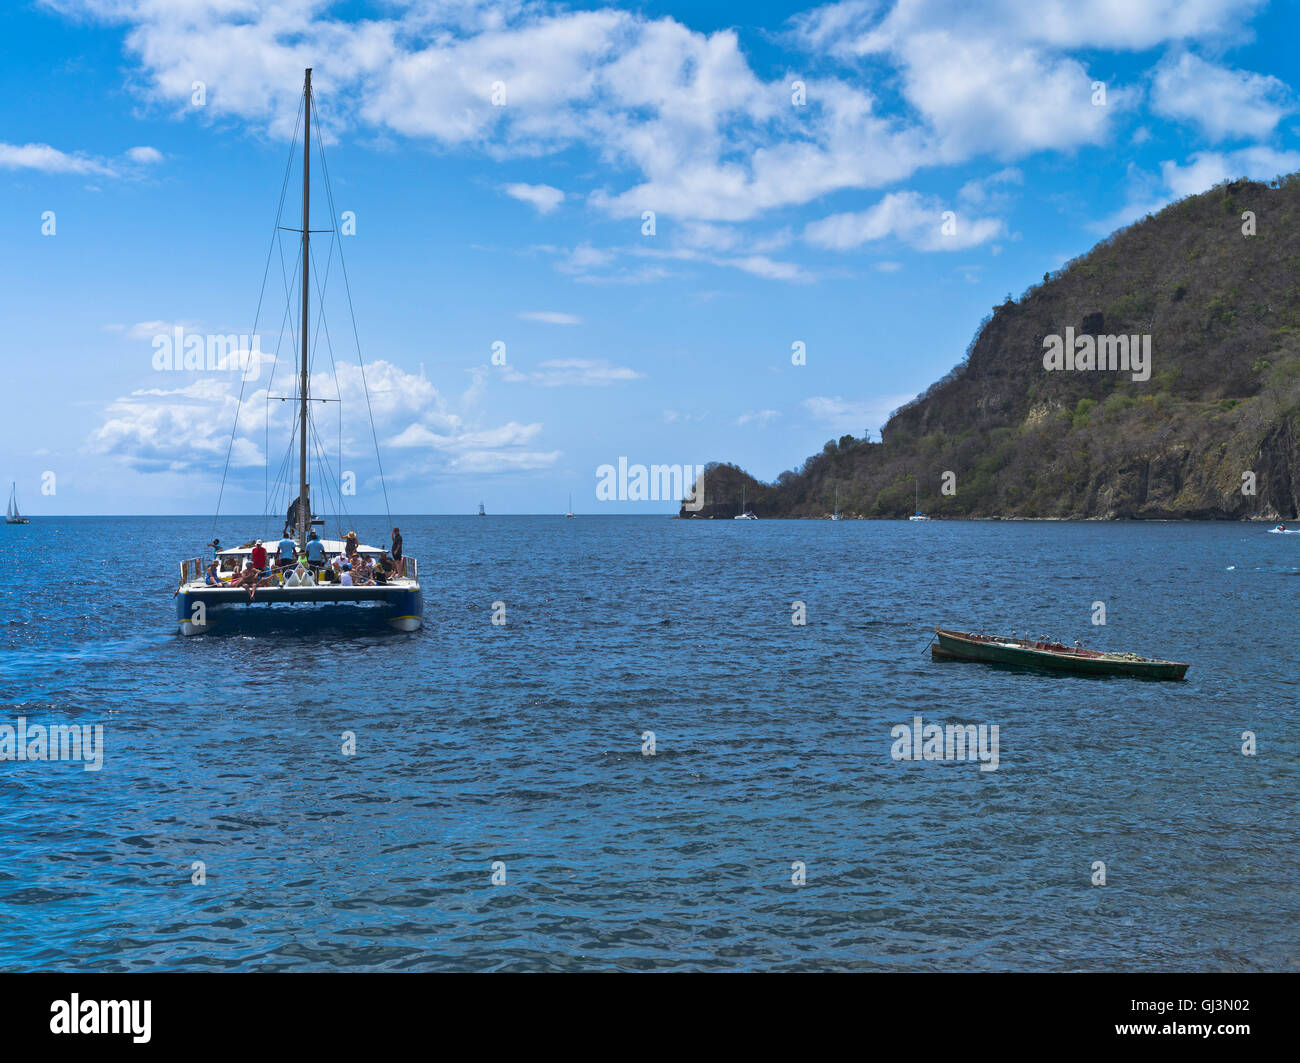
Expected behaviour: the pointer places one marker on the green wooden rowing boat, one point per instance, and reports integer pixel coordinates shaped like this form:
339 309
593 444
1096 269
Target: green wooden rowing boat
995 649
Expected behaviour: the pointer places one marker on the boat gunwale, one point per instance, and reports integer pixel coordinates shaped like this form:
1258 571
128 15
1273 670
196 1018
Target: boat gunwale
1063 653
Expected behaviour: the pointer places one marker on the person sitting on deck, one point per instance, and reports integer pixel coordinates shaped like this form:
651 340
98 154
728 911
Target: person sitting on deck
247 579
381 571
287 549
315 553
258 556
213 577
345 579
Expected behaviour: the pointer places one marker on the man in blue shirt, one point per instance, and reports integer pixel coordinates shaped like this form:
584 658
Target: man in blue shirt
286 551
315 553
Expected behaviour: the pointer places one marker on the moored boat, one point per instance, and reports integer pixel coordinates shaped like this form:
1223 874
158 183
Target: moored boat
1030 653
916 503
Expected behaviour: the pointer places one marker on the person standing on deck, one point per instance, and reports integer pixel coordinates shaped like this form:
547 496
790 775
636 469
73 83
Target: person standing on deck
288 550
315 553
259 556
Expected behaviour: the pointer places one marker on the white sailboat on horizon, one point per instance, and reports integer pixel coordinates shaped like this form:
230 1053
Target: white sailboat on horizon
12 516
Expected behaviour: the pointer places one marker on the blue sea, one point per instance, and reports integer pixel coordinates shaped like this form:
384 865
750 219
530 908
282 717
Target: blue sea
520 747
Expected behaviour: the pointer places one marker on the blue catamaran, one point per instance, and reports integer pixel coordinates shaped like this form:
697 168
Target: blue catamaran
304 571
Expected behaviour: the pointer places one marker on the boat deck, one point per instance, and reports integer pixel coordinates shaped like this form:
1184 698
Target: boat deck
319 592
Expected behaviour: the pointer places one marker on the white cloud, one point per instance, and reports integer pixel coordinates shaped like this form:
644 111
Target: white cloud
979 191
543 197
861 27
550 317
1207 168
1149 193
904 216
185 426
762 418
490 461
573 372
1225 104
846 415
145 155
705 137
46 159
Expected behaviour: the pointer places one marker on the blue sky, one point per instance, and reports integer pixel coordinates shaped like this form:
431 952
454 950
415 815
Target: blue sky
776 221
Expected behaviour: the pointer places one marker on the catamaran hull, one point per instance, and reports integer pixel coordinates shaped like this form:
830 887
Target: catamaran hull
199 611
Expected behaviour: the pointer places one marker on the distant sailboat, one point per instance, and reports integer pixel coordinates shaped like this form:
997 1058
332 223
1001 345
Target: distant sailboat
836 514
570 513
745 514
916 504
12 516
481 511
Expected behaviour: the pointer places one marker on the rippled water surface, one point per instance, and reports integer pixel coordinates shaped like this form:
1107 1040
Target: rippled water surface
523 744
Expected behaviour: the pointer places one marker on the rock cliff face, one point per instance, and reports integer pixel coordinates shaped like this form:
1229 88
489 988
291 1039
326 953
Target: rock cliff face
1208 431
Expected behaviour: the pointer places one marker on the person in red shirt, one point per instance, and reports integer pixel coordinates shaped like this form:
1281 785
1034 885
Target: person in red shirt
259 557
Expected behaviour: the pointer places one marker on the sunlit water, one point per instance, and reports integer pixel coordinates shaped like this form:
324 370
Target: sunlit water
523 744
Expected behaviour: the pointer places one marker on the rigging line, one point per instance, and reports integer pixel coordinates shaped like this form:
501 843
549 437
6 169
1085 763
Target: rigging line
293 336
374 435
329 347
335 494
320 316
335 497
280 481
281 476
284 186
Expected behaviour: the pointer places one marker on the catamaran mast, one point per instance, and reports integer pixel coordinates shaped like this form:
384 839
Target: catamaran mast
304 504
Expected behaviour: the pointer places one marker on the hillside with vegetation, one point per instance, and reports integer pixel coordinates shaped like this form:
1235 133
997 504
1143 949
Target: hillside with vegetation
1223 399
